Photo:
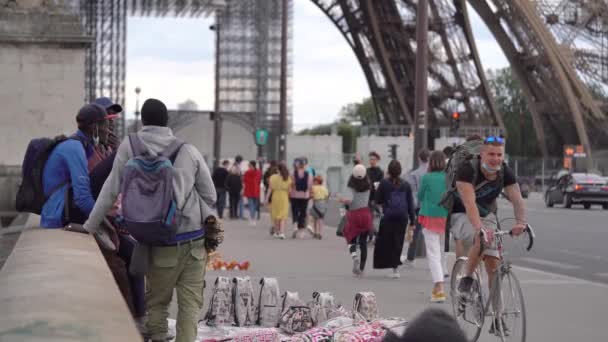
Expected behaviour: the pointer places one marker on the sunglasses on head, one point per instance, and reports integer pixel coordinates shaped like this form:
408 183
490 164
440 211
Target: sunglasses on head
494 140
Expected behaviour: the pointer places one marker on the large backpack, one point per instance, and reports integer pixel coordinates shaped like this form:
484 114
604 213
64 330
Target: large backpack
268 303
290 299
243 302
322 305
365 306
30 196
149 210
466 153
396 207
220 306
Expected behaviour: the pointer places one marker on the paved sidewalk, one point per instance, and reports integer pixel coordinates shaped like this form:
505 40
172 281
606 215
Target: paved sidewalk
559 308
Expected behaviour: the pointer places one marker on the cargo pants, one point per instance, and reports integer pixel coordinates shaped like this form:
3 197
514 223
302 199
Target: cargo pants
182 268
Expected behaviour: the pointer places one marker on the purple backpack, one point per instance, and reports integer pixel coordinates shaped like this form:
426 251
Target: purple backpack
149 210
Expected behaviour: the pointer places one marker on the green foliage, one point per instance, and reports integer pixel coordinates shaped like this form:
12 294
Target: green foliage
511 103
362 112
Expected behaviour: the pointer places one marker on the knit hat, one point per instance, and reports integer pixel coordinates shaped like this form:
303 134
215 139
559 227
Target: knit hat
359 171
154 113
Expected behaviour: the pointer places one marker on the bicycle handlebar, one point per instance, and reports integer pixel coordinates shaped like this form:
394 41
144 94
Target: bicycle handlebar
499 232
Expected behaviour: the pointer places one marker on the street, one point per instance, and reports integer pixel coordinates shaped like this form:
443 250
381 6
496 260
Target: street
559 307
569 241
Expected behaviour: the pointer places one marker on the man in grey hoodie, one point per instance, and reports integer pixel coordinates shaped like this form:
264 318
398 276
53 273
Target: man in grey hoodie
180 265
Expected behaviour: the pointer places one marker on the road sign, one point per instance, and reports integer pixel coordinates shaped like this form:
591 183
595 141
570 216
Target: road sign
261 137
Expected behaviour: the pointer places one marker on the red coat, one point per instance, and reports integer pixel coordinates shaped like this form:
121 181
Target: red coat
251 183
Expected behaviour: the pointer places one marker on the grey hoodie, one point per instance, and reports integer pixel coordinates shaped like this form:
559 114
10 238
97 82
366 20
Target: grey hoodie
191 175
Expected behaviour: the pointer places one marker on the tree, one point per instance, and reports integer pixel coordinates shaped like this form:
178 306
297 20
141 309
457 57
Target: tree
511 103
364 112
188 105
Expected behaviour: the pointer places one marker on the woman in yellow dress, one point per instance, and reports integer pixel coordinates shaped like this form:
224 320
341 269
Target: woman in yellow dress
279 207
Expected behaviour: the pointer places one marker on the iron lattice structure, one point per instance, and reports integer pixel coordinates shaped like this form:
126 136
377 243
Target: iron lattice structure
250 64
382 35
556 48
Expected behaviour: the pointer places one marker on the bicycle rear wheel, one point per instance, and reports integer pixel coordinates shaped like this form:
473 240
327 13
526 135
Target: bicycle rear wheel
469 314
513 312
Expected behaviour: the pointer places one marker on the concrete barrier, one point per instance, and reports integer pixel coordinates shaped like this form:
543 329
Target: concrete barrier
56 286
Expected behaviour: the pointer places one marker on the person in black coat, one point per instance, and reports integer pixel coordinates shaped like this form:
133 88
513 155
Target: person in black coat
391 235
234 186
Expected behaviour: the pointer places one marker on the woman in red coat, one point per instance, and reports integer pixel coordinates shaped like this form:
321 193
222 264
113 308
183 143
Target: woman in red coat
251 184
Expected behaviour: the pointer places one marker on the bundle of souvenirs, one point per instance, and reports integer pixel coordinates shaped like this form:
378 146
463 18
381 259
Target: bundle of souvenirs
236 313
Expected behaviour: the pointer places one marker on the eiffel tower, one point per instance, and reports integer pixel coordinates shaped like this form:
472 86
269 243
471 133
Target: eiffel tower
557 50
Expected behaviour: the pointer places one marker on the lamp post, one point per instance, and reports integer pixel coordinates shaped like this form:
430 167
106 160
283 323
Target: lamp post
421 121
137 91
217 115
283 91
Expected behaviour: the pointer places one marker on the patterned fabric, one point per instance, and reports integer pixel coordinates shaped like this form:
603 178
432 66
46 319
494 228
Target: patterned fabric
366 305
317 334
360 332
296 319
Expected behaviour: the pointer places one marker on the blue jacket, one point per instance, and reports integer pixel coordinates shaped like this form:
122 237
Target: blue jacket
68 161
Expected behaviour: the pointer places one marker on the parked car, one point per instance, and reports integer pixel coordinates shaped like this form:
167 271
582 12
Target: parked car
578 188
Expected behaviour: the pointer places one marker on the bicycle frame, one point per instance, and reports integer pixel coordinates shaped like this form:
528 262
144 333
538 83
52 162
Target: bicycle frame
495 295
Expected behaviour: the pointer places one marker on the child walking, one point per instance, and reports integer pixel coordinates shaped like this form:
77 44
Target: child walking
320 194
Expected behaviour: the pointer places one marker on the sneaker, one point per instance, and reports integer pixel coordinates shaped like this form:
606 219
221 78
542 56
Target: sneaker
438 297
495 331
408 263
275 235
282 236
356 263
394 274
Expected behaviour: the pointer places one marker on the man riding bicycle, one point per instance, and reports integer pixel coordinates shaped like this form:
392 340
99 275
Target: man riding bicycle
471 219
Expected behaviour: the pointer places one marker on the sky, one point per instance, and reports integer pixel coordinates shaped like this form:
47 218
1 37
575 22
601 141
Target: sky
172 60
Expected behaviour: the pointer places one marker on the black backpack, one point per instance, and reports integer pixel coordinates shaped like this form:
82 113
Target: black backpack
30 196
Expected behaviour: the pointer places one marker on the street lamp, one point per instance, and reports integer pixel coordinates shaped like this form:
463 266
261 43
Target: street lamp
217 114
137 91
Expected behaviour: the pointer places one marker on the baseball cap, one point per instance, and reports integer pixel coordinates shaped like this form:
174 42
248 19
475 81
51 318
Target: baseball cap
90 114
108 104
359 171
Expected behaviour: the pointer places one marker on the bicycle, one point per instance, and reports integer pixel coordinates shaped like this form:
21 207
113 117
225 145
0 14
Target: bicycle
505 296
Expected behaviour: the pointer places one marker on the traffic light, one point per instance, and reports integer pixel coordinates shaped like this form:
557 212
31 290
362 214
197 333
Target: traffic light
455 122
392 151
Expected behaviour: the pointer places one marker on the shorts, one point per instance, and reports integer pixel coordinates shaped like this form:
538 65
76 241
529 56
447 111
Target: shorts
462 229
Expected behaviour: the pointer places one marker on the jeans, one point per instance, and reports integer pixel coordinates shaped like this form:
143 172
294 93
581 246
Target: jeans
136 283
241 205
235 198
352 248
411 249
252 205
298 207
221 202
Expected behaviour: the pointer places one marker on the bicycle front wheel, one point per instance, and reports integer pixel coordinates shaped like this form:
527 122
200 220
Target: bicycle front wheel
469 313
513 311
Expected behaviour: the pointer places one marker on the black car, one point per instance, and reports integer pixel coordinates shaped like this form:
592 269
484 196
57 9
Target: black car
578 188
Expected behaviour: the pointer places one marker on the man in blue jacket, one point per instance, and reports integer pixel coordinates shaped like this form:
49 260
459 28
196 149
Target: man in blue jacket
65 174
